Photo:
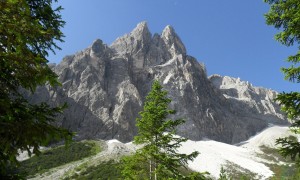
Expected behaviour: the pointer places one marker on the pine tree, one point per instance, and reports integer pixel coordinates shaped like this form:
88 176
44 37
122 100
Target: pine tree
158 158
285 16
28 30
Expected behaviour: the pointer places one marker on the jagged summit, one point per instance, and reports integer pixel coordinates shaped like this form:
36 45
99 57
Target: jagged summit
173 41
98 48
141 28
141 32
168 34
147 50
105 87
260 99
142 24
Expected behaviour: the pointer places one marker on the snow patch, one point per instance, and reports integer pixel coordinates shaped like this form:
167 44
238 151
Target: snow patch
167 78
268 137
113 141
213 155
169 62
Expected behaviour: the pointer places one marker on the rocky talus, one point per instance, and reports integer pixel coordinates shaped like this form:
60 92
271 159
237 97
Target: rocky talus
105 88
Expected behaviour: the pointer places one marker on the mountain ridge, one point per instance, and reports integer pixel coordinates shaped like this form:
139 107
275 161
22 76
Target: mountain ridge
105 87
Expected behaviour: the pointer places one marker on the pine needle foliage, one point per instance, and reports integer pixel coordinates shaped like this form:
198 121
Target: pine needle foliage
284 15
28 30
158 158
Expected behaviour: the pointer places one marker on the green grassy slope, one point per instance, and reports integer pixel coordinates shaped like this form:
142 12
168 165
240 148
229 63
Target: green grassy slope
58 156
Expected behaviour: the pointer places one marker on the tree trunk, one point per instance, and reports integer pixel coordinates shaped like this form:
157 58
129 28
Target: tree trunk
150 170
155 175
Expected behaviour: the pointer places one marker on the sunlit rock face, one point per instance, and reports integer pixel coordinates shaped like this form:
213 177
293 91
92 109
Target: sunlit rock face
105 88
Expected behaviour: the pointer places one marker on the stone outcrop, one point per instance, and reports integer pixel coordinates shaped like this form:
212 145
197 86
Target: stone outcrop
244 95
105 87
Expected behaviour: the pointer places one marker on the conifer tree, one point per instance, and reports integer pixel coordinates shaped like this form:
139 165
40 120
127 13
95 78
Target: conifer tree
158 158
285 16
29 29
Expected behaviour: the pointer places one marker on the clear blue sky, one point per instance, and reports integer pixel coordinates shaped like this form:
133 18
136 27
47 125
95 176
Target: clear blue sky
229 37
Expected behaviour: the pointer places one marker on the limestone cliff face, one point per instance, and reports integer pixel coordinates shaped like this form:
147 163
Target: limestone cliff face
242 94
105 87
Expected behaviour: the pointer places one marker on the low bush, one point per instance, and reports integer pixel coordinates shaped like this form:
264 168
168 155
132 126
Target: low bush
105 170
58 156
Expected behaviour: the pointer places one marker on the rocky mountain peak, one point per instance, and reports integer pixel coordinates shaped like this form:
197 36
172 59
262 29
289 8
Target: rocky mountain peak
172 41
97 45
105 87
168 31
141 31
98 49
138 39
134 45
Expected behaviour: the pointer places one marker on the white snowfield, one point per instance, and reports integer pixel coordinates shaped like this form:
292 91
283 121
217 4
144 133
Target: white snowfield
213 155
267 137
